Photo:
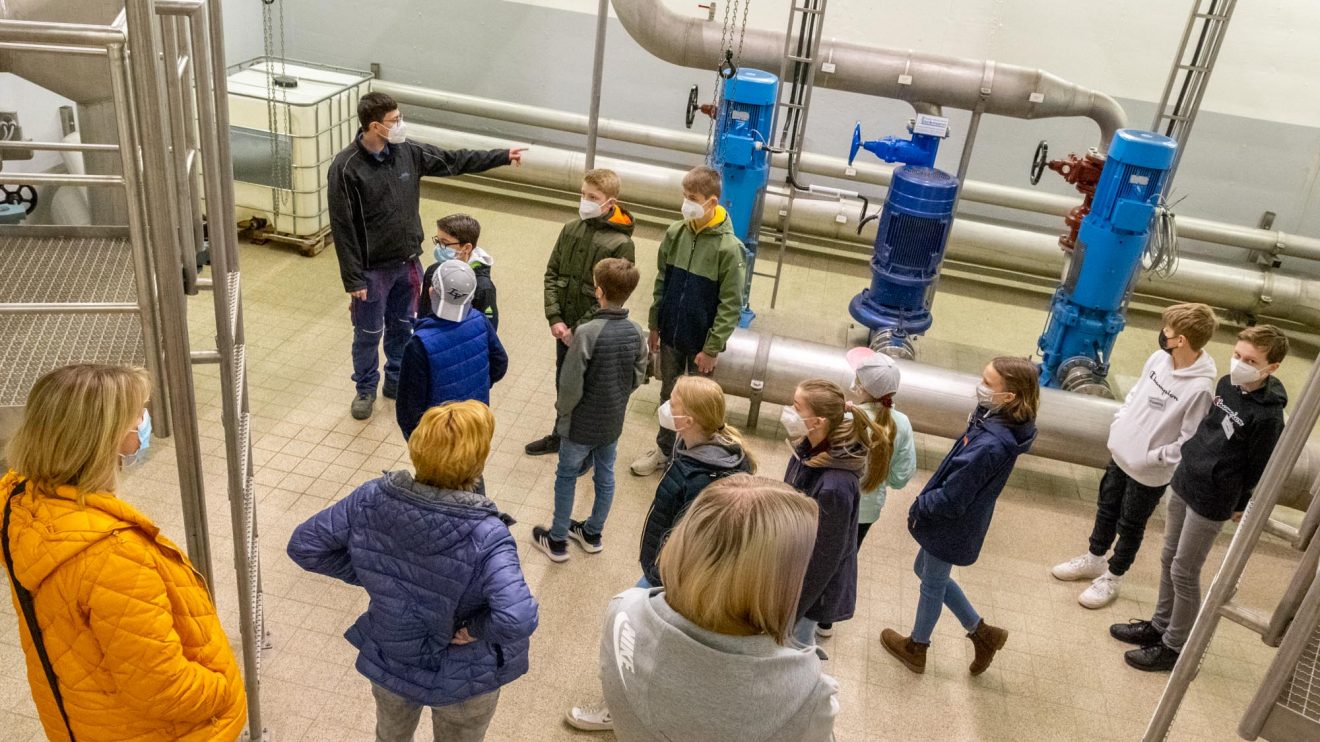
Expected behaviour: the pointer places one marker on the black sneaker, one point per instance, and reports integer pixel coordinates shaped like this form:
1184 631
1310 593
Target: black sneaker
1136 631
589 543
362 405
542 446
1155 658
390 390
556 550
824 630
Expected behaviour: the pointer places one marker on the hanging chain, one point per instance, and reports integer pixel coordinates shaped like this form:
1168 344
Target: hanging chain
717 91
268 49
285 174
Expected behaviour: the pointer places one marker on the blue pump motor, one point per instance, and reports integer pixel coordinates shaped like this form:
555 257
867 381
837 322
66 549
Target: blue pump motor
909 244
1088 310
742 129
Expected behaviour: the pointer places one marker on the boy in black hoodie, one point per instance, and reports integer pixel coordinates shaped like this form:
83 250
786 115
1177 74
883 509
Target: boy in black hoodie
1221 464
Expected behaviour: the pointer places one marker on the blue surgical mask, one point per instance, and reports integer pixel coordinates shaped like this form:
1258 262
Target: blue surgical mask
444 252
144 441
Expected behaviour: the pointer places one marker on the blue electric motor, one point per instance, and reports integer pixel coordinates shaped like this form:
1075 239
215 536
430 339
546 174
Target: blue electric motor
1087 311
742 129
910 242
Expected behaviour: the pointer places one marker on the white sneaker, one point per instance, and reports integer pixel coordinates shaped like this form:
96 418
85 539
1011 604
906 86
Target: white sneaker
648 462
1102 592
591 717
1085 567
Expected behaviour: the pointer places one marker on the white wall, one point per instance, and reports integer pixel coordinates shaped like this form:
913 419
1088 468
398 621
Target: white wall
38 114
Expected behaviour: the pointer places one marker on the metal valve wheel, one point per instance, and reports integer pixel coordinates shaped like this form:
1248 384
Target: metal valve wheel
692 105
1040 161
22 195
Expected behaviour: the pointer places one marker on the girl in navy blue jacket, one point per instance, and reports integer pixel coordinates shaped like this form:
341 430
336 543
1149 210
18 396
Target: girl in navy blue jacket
450 614
951 516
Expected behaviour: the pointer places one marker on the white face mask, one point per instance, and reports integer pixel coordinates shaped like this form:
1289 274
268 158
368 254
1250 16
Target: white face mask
692 210
398 132
1240 372
666 415
793 423
985 396
589 209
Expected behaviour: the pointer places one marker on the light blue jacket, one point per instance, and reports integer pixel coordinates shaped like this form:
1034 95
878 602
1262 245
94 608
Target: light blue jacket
902 464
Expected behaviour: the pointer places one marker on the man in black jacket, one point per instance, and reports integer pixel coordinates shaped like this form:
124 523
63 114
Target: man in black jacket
374 198
1221 464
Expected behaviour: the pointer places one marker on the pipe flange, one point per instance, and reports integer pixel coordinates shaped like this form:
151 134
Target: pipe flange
894 345
1080 375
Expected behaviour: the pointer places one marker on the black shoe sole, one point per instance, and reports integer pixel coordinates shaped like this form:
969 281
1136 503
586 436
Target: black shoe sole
535 449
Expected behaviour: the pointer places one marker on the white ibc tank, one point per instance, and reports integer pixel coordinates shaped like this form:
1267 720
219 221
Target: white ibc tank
313 121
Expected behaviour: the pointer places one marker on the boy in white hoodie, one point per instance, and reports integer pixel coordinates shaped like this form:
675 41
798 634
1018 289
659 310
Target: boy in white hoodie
1161 411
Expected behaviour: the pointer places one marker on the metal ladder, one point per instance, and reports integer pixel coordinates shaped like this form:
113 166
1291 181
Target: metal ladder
797 76
1287 705
165 60
1176 121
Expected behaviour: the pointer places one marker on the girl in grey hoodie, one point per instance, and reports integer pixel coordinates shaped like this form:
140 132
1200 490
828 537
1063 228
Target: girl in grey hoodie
709 657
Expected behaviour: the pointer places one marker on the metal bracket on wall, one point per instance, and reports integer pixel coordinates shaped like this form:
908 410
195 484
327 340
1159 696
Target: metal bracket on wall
375 69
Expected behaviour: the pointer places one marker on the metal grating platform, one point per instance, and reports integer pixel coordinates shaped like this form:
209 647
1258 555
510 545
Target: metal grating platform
66 269
35 344
1302 693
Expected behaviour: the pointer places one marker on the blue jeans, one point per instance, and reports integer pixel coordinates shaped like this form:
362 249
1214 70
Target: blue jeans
804 631
572 457
939 590
388 310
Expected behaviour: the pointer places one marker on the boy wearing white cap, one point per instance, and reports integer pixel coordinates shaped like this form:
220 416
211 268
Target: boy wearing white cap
453 354
873 389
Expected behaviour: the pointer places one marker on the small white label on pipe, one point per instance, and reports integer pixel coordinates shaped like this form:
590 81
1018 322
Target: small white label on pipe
840 218
1036 97
827 67
850 171
905 79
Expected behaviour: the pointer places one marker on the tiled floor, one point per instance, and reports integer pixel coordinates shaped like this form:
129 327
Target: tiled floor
1060 677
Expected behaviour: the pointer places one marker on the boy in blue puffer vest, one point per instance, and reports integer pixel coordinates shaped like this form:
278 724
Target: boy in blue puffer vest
453 354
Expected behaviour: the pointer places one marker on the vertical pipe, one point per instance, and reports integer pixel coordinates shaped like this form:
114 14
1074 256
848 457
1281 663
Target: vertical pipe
597 76
163 238
143 278
1224 587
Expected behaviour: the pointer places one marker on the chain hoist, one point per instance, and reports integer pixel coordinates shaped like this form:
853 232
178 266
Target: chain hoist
728 66
280 175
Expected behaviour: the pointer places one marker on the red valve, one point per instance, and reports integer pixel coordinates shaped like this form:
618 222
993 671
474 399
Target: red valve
1083 173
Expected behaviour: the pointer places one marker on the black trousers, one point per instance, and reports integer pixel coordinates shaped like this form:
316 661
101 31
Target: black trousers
1122 509
561 352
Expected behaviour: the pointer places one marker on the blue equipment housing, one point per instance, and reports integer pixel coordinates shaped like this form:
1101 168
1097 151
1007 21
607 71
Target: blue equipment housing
742 131
1087 311
913 231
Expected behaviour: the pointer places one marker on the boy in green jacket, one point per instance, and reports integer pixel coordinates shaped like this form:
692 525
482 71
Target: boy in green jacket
602 230
698 295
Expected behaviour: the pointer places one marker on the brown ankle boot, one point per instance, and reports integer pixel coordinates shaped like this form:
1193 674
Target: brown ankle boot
911 654
987 640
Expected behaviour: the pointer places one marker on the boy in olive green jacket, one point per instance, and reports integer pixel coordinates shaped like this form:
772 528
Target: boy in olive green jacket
602 230
698 295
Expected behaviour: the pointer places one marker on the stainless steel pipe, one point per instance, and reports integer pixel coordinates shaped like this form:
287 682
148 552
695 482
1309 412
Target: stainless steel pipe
1241 288
1071 427
915 77
1205 230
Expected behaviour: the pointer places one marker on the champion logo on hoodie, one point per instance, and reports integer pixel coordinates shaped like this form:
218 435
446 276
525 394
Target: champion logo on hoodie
1219 402
1160 386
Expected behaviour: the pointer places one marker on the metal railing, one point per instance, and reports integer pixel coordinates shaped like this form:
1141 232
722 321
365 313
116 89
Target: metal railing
166 64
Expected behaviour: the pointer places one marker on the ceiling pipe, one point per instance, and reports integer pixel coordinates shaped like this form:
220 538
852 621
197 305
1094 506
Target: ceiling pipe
1241 288
915 77
1070 427
1205 230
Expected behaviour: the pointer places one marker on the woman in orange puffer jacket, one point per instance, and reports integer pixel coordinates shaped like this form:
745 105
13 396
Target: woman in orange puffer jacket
133 646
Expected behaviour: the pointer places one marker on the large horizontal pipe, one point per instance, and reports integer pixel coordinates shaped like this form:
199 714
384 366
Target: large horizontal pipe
1244 289
915 77
994 194
1071 427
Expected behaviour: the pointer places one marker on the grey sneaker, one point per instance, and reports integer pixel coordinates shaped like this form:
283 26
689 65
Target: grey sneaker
362 405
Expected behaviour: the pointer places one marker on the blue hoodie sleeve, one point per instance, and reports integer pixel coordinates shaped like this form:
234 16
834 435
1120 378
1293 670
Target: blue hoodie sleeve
968 470
414 387
320 544
511 612
499 358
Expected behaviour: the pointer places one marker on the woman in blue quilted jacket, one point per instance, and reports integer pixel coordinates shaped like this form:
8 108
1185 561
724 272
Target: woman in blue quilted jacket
450 614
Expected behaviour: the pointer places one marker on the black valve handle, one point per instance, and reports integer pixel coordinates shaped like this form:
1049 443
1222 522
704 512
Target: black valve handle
1039 161
692 107
22 195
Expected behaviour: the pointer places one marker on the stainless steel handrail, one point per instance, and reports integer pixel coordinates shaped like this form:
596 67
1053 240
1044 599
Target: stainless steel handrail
60 146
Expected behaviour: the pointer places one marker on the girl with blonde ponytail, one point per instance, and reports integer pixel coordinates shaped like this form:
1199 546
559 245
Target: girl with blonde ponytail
707 449
837 452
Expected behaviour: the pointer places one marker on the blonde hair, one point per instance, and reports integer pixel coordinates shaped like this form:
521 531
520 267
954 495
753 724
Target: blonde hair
1196 322
604 180
703 181
735 562
826 400
450 445
703 400
1269 339
1022 378
75 419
